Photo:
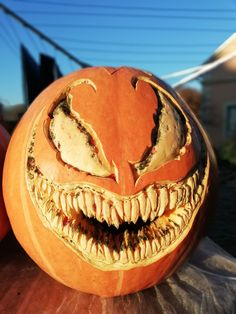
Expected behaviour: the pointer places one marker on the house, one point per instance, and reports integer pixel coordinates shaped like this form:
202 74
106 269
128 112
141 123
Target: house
218 108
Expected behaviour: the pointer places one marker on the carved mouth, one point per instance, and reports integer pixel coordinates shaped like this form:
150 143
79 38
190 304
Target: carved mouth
112 231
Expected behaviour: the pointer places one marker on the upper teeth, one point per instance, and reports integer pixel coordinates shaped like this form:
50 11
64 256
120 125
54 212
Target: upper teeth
114 209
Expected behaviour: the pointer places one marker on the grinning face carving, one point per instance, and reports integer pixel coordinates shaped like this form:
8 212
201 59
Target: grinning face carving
119 183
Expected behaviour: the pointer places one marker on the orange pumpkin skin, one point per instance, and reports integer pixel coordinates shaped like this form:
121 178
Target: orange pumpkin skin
50 250
4 222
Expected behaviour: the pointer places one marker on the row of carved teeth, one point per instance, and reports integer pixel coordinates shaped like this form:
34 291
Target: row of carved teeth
148 204
146 247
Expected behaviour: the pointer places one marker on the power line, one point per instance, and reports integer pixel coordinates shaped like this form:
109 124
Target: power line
136 44
13 27
32 39
95 50
115 7
9 30
144 61
8 43
42 35
137 27
188 17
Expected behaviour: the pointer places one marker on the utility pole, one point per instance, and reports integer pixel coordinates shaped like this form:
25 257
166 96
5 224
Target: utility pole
43 36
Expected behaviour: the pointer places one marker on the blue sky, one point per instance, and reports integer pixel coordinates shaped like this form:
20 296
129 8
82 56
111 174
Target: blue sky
158 36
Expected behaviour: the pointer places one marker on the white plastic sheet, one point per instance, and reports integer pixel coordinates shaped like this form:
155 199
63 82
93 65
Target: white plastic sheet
205 284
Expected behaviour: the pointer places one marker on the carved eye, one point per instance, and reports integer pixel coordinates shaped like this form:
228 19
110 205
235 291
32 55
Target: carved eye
168 137
76 141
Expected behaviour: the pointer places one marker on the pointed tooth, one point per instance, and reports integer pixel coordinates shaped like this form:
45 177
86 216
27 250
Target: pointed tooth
134 210
185 216
190 182
162 235
49 190
98 204
123 256
44 185
69 200
107 254
119 208
130 254
56 199
183 196
142 250
88 197
192 192
197 199
54 222
152 195
180 196
148 249
75 235
63 203
71 231
200 189
49 205
116 255
173 199
172 233
148 210
196 178
53 213
174 226
94 249
39 183
114 218
137 254
89 245
100 251
66 229
75 204
178 219
161 238
162 200
106 212
158 244
187 211
153 215
188 208
127 211
36 195
81 203
49 215
83 241
69 205
167 237
187 194
155 246
44 207
142 204
60 223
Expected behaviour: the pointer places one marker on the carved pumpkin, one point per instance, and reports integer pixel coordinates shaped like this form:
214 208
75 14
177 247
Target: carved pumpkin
113 177
4 222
